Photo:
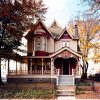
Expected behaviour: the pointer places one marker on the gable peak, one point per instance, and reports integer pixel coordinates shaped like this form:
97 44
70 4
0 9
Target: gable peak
54 24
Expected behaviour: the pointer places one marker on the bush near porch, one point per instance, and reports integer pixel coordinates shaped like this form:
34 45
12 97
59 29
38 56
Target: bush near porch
27 93
95 77
83 86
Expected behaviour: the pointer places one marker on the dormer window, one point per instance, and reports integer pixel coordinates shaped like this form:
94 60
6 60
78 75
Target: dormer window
38 43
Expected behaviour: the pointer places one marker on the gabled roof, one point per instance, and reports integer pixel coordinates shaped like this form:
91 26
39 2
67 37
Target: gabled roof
55 28
33 28
65 29
65 48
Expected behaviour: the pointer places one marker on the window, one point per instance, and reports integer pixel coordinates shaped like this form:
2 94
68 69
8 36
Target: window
63 44
38 43
44 44
68 44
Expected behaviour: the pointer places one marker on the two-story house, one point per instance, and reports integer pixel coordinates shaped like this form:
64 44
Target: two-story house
53 53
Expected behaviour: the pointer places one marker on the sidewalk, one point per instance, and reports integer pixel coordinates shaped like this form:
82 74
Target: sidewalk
66 98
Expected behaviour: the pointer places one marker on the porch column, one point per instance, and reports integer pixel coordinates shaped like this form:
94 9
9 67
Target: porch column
52 66
69 66
73 71
16 67
42 66
26 68
21 68
8 66
31 66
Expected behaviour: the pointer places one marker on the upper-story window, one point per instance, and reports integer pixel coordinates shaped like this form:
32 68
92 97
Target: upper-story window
63 44
44 44
38 46
66 43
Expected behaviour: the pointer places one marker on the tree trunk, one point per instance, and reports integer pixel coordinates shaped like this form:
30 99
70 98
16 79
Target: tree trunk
84 70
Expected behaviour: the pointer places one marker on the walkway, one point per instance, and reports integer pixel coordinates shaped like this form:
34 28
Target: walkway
66 98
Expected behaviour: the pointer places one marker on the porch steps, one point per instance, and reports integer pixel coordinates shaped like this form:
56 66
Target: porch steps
66 80
65 90
65 86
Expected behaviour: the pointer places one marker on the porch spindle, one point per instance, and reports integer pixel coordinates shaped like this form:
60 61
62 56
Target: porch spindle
42 66
31 66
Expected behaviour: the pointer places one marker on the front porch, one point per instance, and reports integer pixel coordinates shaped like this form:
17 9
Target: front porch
50 68
43 70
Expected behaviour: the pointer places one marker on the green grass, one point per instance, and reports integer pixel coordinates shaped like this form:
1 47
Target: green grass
27 93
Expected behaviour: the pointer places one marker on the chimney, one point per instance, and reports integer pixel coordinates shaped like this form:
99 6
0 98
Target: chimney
76 31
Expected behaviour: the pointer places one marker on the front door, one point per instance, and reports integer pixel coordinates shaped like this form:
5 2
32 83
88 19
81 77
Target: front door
65 66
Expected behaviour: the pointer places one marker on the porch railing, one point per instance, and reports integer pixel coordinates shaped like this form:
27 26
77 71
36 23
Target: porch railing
13 72
40 72
35 72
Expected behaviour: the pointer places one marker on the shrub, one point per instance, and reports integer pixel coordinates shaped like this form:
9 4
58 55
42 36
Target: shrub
97 77
26 93
91 77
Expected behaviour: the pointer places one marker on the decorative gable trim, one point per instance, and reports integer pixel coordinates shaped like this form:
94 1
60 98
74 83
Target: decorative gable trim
63 49
44 27
33 28
64 32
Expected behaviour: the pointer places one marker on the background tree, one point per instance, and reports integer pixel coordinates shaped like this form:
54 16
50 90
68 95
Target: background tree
15 18
88 28
94 6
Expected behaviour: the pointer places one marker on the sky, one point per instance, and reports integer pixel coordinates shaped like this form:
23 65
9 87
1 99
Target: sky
63 10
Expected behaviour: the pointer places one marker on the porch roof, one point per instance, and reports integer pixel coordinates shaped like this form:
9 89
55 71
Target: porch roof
65 48
36 57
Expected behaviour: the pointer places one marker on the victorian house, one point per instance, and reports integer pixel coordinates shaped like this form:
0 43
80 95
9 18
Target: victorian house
53 55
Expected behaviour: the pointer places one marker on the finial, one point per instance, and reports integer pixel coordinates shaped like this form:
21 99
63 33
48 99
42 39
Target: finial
65 25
